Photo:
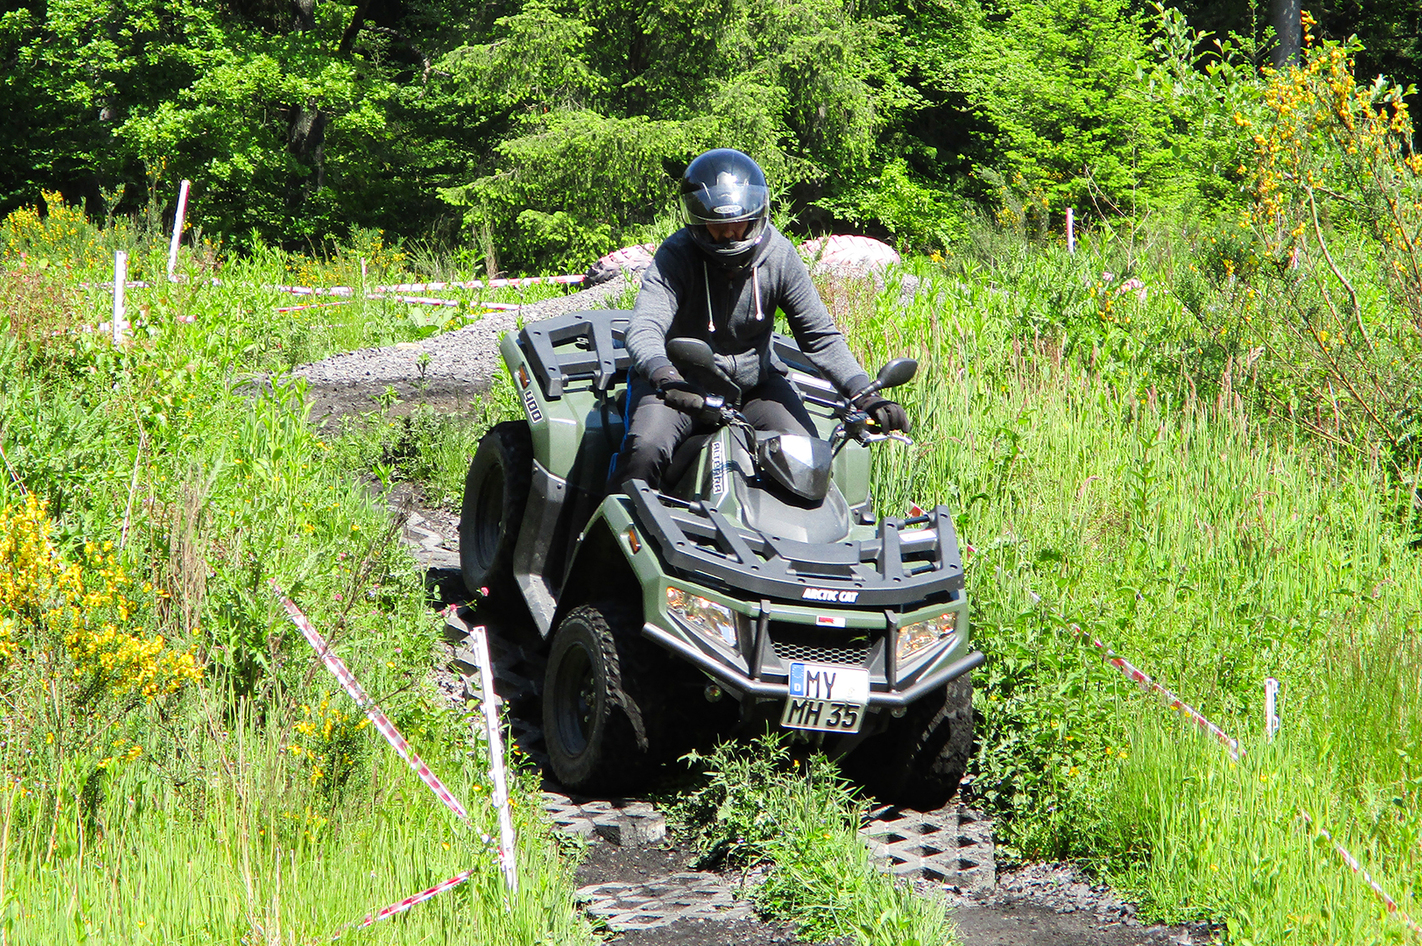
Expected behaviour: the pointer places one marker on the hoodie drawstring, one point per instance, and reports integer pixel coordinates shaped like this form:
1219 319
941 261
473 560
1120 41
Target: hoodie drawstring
710 312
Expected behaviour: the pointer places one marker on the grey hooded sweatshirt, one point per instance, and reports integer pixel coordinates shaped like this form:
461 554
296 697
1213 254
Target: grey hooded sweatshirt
685 295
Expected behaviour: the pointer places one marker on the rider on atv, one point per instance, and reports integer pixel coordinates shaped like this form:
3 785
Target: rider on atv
721 278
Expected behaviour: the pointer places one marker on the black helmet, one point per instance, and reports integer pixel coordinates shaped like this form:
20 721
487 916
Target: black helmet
725 186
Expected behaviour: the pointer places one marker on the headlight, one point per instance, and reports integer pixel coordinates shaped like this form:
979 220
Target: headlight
915 637
716 621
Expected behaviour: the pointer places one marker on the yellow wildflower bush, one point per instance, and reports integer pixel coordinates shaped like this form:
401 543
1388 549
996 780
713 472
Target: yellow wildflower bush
84 612
1337 215
64 233
327 742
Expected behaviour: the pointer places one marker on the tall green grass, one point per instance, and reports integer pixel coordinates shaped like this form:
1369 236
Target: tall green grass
1160 510
230 812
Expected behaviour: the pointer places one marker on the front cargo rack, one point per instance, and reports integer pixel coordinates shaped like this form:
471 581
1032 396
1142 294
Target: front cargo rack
907 562
579 345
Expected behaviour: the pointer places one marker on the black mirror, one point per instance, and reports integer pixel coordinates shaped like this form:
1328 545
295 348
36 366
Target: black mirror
693 352
897 372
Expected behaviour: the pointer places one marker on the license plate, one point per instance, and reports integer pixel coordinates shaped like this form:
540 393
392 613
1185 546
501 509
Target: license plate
826 698
822 715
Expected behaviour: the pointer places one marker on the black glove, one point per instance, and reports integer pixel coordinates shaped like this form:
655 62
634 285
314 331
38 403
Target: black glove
887 414
675 391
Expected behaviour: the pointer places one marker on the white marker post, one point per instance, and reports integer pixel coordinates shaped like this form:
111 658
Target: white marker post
1071 230
507 860
1271 716
177 231
120 283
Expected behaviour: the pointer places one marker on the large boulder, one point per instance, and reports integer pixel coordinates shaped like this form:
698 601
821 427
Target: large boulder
628 261
848 255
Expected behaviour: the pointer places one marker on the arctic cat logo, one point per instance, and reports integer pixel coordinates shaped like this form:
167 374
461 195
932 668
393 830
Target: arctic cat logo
534 414
829 594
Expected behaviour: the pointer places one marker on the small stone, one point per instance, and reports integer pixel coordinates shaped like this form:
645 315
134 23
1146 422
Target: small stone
636 829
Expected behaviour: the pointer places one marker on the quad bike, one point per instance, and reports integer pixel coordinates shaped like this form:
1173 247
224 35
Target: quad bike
755 589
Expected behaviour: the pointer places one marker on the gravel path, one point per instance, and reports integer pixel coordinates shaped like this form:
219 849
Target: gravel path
460 363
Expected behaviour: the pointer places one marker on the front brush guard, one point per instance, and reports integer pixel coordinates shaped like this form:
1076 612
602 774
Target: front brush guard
909 562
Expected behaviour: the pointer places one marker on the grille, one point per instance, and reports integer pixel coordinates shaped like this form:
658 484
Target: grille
854 655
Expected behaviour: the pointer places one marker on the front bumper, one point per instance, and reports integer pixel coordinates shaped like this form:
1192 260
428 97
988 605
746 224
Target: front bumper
738 682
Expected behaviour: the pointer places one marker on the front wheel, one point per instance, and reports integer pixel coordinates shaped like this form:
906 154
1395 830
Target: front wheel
920 760
495 494
600 713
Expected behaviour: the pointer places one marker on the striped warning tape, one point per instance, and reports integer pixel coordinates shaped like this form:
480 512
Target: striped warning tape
1174 702
507 842
515 282
368 706
409 902
1388 903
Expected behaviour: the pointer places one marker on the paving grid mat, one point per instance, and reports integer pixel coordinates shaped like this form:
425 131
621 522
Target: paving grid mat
952 846
683 896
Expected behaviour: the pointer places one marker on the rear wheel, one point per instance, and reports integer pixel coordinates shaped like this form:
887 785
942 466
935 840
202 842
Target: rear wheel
495 494
920 760
601 706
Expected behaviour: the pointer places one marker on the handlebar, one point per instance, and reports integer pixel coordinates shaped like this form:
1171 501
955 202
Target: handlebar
853 423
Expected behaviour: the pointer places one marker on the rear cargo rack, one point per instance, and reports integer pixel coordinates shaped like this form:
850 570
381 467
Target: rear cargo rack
908 561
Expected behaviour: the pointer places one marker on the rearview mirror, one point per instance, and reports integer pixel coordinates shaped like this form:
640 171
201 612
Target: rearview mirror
897 372
691 351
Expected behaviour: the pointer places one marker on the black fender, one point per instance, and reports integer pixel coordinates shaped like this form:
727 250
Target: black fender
599 571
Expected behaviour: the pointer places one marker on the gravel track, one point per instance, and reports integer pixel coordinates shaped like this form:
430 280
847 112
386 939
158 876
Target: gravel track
460 366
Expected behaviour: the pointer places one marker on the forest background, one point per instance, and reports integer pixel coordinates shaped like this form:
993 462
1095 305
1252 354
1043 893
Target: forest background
540 134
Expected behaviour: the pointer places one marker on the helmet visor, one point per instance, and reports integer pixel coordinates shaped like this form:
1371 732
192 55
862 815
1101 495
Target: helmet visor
726 202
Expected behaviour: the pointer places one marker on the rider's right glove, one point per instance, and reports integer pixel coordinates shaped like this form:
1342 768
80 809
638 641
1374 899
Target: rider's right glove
675 391
887 414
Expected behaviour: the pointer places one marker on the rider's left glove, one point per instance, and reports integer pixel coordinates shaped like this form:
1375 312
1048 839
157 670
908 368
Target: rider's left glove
675 391
886 414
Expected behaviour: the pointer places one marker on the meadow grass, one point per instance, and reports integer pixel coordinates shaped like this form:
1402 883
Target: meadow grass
1116 461
1208 542
250 804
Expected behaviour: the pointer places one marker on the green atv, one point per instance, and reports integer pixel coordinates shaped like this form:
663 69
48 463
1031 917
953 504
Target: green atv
755 589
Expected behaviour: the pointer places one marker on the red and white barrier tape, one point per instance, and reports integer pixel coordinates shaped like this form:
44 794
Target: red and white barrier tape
515 282
368 706
409 902
313 305
1388 903
493 733
1174 702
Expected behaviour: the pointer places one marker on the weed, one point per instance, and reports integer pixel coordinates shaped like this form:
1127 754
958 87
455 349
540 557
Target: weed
760 805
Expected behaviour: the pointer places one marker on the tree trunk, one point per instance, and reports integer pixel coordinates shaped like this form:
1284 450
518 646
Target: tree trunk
304 15
1286 18
306 140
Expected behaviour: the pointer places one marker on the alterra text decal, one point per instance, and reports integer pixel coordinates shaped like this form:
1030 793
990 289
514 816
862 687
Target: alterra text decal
718 468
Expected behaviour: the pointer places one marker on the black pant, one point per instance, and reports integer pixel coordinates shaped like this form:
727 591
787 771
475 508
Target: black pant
656 430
